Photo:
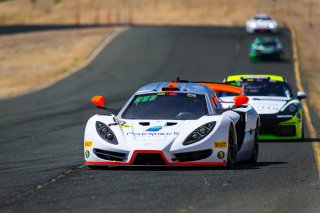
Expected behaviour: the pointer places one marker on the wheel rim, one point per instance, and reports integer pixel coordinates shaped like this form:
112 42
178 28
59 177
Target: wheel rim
231 152
256 146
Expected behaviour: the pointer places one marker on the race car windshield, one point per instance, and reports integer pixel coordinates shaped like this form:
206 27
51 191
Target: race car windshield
262 18
167 106
262 88
269 43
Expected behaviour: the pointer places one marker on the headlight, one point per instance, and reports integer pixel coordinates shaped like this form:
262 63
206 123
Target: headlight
271 25
106 133
279 46
260 47
199 133
253 25
290 109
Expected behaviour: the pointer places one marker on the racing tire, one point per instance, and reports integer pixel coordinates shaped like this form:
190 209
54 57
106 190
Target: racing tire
253 60
232 148
302 132
255 149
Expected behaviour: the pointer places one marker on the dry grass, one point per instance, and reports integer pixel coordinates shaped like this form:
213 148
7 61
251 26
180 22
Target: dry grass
31 60
303 15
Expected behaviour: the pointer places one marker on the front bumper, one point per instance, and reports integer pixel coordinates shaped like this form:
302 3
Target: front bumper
260 29
261 54
274 128
153 158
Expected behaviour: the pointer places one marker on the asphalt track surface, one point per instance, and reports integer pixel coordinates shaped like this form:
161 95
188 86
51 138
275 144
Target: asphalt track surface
42 135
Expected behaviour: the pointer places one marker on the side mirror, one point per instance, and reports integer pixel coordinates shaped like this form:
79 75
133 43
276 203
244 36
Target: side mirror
98 101
240 100
301 95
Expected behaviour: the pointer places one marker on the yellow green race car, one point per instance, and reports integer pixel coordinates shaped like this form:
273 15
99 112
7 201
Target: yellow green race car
280 110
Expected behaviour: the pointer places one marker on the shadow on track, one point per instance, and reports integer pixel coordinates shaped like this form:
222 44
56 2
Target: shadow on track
258 165
308 140
12 29
239 166
268 60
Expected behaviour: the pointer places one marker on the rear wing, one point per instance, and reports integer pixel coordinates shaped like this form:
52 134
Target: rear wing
221 87
239 99
216 87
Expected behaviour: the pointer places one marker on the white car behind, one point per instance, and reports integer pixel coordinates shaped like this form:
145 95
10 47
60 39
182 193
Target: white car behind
261 23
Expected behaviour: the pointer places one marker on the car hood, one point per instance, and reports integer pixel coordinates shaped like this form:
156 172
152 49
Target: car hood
263 22
264 104
268 49
267 105
148 134
151 130
155 134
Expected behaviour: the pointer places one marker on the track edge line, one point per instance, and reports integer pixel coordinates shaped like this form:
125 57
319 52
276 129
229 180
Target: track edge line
297 73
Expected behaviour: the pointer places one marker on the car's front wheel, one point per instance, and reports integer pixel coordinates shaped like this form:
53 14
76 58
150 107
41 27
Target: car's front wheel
302 133
255 149
232 148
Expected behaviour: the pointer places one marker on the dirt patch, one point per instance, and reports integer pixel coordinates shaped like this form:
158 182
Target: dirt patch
30 60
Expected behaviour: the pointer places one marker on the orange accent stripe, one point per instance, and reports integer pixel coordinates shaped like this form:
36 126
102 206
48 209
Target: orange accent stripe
223 88
158 152
170 164
172 84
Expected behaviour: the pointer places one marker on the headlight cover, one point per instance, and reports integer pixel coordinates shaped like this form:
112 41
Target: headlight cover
253 24
290 109
106 133
271 25
199 133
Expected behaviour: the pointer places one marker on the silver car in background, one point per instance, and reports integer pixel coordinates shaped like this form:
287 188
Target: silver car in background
261 23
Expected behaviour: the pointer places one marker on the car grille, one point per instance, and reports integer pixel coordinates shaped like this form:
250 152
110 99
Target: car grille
289 130
142 159
269 126
193 156
108 155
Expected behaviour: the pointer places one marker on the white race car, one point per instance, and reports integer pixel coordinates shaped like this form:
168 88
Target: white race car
174 124
261 23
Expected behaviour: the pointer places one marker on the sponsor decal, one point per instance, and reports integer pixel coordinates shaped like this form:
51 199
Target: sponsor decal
115 119
152 134
154 128
126 126
143 99
191 95
220 145
88 144
161 93
238 83
220 155
87 154
123 125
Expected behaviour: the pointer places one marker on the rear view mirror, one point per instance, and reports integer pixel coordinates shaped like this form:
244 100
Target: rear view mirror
98 101
301 95
240 100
